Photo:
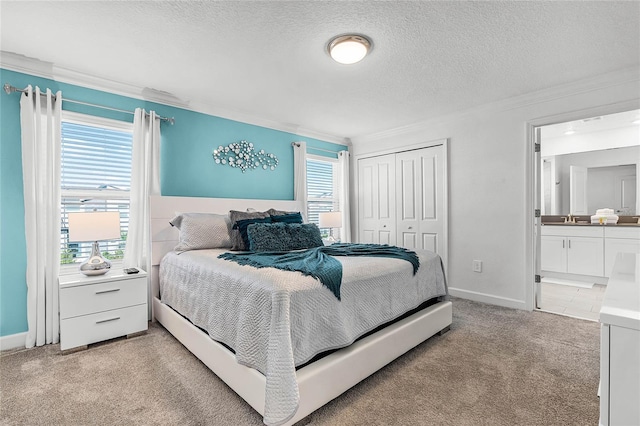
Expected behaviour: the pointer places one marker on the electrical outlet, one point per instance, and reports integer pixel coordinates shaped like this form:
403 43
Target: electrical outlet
477 266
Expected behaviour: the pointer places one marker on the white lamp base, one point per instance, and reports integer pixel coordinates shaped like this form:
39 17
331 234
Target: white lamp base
95 264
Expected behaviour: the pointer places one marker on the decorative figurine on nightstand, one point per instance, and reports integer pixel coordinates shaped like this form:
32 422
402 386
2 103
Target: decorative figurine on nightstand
94 226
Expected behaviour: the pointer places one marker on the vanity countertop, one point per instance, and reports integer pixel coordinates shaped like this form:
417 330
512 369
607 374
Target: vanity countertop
584 220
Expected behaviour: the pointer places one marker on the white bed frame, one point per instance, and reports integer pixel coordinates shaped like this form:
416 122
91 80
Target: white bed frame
318 382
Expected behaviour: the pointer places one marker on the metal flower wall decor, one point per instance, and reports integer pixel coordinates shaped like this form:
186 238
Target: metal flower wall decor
242 155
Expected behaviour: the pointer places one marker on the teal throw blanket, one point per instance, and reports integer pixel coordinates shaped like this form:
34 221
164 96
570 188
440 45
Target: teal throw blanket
319 263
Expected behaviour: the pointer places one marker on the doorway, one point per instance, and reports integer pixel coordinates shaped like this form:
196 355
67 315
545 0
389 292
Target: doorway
582 166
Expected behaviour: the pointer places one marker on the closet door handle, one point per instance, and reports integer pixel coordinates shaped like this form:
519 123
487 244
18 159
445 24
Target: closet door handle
562 243
569 243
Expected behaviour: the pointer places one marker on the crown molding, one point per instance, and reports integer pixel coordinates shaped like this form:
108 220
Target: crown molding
24 64
242 117
603 81
36 67
21 63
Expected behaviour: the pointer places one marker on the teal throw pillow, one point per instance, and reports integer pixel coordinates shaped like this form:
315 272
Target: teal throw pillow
282 237
287 218
243 224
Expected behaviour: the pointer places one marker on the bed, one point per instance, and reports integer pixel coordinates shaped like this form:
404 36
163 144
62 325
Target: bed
293 375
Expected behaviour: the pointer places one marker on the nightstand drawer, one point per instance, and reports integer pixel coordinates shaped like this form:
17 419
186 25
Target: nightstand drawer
99 297
87 329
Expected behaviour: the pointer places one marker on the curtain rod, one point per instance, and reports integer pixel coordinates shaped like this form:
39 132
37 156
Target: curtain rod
317 149
10 89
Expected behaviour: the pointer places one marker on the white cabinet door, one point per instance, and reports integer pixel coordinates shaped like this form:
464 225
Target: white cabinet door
420 200
613 246
624 371
553 253
376 200
585 256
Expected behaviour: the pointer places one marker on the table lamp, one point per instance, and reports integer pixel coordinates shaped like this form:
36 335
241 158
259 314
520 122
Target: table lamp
94 226
330 220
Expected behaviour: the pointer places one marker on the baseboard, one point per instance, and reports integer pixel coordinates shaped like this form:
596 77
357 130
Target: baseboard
570 283
575 277
488 298
13 341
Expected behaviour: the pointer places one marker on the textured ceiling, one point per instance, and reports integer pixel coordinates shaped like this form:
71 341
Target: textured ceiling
268 60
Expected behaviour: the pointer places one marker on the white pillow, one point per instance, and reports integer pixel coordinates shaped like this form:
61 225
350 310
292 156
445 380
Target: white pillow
202 231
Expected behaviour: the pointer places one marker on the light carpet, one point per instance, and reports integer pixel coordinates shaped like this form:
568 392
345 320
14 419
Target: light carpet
496 366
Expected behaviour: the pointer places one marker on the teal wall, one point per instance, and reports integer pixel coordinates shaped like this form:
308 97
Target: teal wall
186 168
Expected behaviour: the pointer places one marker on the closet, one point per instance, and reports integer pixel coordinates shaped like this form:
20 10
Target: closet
402 199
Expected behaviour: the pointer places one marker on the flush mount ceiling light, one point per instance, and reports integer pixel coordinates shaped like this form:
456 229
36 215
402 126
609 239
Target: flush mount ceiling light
349 49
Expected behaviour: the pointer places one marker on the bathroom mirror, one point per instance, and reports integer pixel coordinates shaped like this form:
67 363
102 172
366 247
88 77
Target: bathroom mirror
591 164
581 183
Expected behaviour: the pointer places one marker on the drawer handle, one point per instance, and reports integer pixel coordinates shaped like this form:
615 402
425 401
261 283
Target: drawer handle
107 320
107 291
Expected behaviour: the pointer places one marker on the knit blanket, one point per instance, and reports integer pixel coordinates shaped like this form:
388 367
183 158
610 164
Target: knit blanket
319 263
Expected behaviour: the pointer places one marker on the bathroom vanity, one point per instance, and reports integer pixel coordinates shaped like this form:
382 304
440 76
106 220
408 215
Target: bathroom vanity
585 251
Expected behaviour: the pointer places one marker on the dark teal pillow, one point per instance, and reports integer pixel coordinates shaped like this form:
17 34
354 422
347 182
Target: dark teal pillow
287 218
281 237
243 224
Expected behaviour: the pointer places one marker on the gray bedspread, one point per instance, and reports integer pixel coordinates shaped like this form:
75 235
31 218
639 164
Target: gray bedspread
276 320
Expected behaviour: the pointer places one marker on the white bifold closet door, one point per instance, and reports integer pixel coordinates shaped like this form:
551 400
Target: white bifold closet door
376 200
401 199
419 199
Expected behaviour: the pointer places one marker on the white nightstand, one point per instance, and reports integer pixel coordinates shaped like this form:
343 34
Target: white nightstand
101 307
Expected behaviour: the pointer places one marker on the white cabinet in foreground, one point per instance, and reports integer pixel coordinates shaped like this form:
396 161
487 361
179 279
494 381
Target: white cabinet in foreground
619 240
620 344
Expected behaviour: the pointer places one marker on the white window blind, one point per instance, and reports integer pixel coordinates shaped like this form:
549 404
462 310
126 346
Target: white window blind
95 175
322 187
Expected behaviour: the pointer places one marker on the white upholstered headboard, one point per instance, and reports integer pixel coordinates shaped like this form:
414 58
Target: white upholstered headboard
164 237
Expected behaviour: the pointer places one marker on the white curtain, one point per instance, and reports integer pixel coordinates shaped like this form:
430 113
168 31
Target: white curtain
343 166
300 175
41 140
145 181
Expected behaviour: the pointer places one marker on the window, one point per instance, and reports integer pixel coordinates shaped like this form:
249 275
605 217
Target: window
322 188
95 175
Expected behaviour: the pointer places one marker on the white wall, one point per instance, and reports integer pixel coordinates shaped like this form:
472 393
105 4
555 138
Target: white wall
491 180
